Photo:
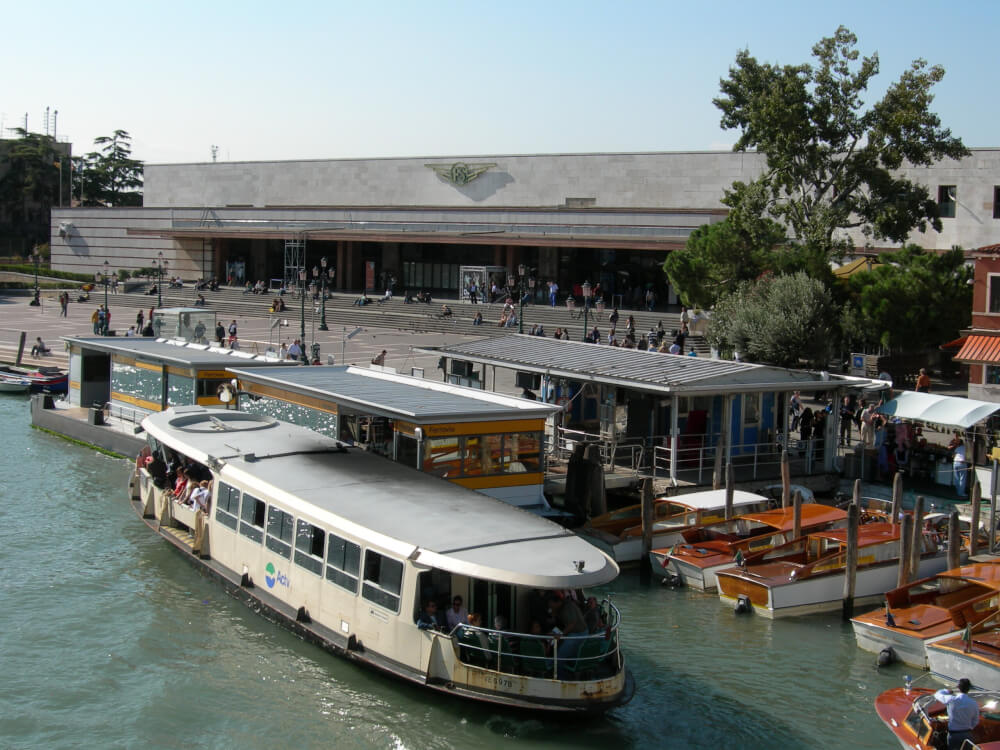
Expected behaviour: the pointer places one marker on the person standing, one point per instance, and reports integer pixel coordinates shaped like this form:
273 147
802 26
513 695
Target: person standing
959 464
923 382
963 713
846 417
795 405
138 320
232 332
95 319
553 293
63 304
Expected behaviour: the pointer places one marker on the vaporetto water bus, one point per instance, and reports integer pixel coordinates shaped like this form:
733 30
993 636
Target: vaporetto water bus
347 550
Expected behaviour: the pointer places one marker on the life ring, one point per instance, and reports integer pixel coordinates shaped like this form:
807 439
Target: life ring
225 392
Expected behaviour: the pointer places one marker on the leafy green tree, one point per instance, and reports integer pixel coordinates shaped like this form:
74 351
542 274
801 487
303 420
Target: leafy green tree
29 185
914 300
777 320
830 161
110 176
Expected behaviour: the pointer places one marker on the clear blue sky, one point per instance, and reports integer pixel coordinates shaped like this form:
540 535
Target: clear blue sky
300 79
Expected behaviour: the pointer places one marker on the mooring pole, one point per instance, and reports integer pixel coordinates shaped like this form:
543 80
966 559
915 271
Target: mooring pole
905 538
954 541
786 479
796 515
730 489
645 565
917 542
897 497
851 563
977 499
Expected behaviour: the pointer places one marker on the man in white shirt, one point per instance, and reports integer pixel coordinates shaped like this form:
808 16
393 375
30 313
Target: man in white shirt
200 496
456 614
295 350
963 713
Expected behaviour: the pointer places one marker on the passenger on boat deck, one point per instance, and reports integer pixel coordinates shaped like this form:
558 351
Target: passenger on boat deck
963 713
570 623
180 484
200 496
457 615
593 618
157 469
427 619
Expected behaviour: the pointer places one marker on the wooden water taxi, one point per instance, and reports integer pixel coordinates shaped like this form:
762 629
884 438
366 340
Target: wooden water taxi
713 547
807 575
350 551
929 610
920 722
975 654
619 533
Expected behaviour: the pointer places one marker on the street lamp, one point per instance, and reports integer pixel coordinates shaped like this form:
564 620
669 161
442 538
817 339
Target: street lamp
36 259
104 278
586 306
522 270
323 275
302 320
159 279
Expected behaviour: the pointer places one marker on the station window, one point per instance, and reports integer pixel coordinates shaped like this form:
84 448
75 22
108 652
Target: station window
993 281
996 201
343 561
947 198
751 409
252 518
280 527
383 580
227 507
443 457
525 451
309 545
209 387
992 375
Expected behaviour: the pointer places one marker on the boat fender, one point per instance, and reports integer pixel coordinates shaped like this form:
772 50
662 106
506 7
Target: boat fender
246 581
302 616
886 656
353 644
673 580
743 605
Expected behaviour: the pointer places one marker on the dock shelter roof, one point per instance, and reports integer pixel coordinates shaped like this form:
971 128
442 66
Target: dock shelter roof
639 370
391 394
172 352
952 411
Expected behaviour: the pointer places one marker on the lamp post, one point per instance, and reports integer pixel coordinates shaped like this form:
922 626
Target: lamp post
302 319
323 275
36 259
587 291
159 280
522 270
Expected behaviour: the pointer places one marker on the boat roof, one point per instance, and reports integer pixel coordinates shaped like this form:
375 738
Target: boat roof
391 394
426 519
784 518
716 499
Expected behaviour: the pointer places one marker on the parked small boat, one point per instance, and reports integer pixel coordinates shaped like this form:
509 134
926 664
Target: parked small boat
807 575
918 720
619 533
50 379
14 385
929 610
975 654
713 547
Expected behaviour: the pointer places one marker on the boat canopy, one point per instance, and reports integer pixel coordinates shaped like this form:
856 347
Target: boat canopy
716 499
952 411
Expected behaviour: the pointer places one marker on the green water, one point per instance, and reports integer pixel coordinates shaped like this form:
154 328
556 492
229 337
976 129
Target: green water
110 639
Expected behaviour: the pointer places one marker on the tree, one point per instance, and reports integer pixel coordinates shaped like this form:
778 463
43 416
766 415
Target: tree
914 300
830 162
777 320
29 185
110 176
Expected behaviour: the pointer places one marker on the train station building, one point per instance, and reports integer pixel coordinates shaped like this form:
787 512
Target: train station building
438 224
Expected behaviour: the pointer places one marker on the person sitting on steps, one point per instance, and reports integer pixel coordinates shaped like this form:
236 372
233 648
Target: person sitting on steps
39 349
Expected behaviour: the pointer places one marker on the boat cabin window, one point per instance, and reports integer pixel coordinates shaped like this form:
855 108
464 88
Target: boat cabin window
228 506
279 531
309 544
252 518
383 580
343 563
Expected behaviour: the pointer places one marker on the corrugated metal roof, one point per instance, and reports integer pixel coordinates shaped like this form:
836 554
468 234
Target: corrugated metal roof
394 395
160 350
980 349
642 370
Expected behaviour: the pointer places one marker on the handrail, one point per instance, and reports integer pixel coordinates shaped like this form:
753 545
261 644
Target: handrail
499 655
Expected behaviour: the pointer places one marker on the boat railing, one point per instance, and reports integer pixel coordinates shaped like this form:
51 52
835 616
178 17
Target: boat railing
695 454
548 656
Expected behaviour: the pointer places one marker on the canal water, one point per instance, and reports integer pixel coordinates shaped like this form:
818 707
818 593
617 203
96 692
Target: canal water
109 639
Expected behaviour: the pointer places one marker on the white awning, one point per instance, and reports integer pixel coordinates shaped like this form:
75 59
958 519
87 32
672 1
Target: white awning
952 411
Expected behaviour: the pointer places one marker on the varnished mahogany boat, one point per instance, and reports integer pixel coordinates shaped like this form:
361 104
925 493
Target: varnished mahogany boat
929 610
920 722
710 548
975 654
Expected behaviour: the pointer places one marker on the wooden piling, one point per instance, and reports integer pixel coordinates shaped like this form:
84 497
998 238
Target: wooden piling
897 496
645 565
786 479
720 449
730 490
856 498
20 347
905 539
954 541
851 563
797 515
977 499
917 539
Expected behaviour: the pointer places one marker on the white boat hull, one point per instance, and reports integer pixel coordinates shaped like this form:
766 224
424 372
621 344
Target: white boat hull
908 649
825 593
629 550
702 579
950 665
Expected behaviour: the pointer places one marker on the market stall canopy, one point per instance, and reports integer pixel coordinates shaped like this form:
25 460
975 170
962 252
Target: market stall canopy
952 411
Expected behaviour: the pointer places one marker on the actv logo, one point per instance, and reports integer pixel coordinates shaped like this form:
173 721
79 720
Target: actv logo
272 577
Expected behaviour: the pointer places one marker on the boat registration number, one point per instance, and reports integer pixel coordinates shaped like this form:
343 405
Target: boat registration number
500 682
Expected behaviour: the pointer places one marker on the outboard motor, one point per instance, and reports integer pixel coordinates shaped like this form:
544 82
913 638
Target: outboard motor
743 605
